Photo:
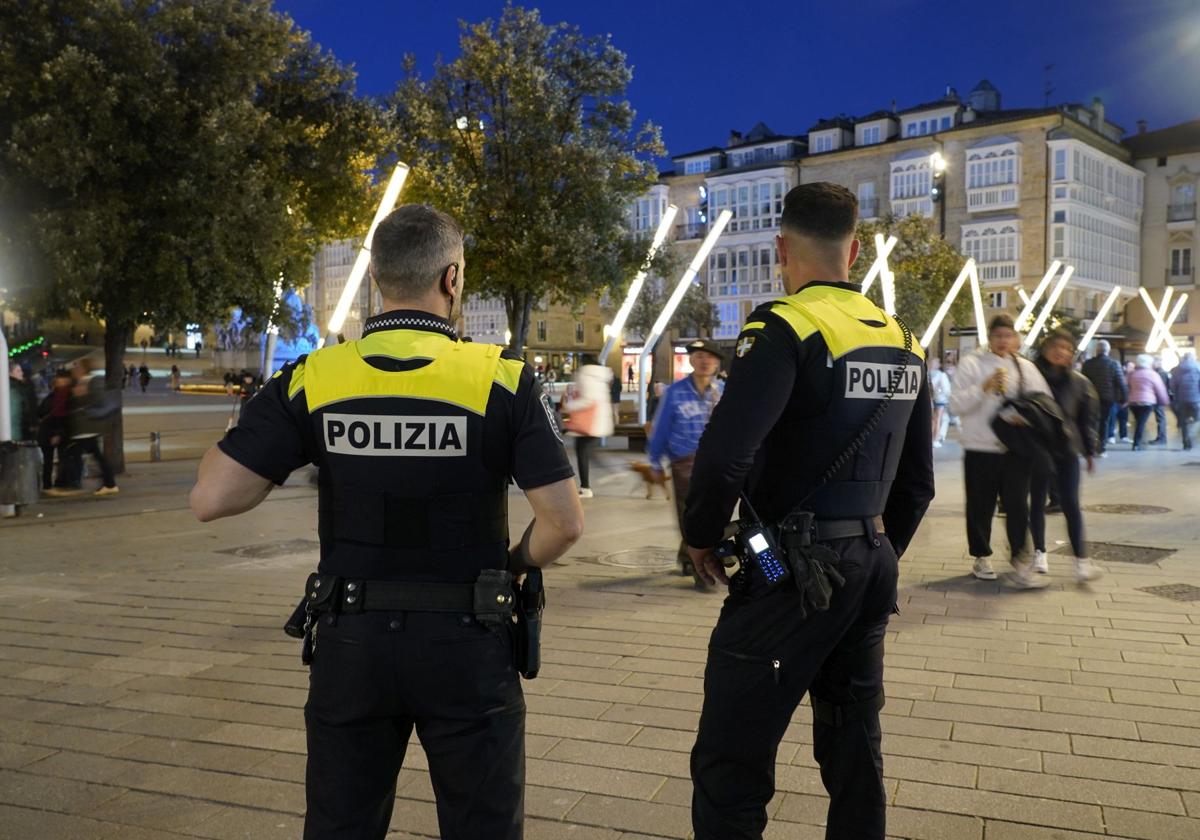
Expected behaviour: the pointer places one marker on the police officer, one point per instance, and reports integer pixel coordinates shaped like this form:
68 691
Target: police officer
416 435
815 373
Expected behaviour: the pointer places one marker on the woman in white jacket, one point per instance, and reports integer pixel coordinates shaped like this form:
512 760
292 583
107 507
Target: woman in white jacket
588 407
986 378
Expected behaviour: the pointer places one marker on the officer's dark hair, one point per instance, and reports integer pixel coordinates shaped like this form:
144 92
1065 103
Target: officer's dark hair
411 250
1000 322
822 211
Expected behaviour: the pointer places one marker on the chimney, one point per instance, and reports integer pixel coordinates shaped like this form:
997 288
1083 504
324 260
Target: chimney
968 115
1098 112
735 137
1141 124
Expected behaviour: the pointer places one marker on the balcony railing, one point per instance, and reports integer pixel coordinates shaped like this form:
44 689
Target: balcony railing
990 272
1181 278
1181 212
691 230
992 198
868 208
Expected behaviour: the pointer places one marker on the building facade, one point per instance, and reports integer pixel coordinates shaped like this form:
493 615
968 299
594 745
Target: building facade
330 272
1170 162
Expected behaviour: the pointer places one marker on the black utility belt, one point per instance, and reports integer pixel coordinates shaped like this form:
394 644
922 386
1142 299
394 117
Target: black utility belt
491 595
825 530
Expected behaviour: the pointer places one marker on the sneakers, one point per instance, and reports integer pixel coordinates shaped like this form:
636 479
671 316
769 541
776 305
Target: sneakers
1085 571
983 569
1112 440
108 491
586 493
1023 576
937 444
1126 439
1039 563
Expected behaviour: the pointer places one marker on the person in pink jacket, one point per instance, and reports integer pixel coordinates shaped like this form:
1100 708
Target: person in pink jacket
1146 390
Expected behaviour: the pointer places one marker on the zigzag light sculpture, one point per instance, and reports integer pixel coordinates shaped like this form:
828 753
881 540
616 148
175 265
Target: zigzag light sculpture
390 196
639 280
1039 290
1165 332
714 233
880 269
968 272
1050 301
1159 323
1094 327
1154 339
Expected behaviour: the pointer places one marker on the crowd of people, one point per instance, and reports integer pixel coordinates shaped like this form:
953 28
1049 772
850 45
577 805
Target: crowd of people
67 422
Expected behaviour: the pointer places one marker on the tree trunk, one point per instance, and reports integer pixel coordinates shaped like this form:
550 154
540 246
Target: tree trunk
519 306
115 338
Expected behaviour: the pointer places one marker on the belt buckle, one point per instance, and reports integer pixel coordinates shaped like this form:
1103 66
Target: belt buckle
351 597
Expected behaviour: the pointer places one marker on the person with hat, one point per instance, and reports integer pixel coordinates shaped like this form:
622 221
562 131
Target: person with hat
679 422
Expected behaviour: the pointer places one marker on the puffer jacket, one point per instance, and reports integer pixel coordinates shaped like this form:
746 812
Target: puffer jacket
1146 388
1080 406
1106 375
1186 378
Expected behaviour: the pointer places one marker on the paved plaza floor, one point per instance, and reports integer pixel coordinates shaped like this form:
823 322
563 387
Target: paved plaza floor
148 693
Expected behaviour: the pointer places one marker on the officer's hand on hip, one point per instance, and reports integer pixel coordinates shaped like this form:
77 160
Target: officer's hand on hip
708 566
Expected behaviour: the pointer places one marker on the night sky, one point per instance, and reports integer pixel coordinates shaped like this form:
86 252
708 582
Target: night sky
702 68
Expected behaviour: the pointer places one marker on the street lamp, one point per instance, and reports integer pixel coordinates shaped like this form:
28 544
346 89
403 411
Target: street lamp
937 192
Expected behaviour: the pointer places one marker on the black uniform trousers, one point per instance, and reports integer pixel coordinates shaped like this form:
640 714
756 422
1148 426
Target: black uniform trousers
987 475
763 657
377 676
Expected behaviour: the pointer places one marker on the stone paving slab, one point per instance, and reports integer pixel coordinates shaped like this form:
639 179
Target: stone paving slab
148 694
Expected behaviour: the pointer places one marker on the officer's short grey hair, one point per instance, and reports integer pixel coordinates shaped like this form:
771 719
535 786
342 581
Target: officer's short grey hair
1102 347
411 250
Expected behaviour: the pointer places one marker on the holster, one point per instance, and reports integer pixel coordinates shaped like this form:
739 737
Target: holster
527 643
813 566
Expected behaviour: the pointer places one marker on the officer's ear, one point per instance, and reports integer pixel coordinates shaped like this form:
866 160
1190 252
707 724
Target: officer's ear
781 248
450 280
855 247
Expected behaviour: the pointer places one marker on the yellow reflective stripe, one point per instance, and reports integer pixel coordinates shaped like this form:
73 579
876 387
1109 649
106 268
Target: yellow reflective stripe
754 325
508 373
461 373
839 315
296 384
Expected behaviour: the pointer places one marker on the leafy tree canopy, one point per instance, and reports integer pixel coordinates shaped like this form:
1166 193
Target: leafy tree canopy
527 140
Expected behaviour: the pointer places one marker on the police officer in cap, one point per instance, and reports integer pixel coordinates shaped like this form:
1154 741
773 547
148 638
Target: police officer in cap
416 435
825 428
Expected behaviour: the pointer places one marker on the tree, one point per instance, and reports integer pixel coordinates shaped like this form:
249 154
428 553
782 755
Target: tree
164 160
525 139
925 265
695 314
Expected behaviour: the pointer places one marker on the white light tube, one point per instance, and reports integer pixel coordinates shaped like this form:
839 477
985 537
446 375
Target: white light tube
1039 290
977 300
1154 339
1100 316
1163 333
390 196
1050 301
882 249
639 280
940 316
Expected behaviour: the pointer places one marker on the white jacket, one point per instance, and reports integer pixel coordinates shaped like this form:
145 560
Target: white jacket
588 403
976 408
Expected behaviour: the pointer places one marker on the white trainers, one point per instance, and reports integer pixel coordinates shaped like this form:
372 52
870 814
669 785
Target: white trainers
1039 563
1085 571
586 493
107 491
1023 576
983 569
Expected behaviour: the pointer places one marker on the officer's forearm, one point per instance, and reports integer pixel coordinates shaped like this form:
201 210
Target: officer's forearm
557 524
225 488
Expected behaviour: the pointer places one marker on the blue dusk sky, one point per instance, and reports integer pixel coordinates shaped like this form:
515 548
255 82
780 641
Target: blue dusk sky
702 68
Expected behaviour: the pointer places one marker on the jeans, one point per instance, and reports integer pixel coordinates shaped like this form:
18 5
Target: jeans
88 446
1106 416
1066 479
681 482
987 475
1186 415
583 457
1160 421
1123 421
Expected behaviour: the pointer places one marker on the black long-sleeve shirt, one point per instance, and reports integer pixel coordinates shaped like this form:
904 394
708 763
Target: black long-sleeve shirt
778 377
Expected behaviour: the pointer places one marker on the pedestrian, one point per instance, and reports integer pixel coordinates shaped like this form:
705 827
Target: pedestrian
826 415
143 376
1107 378
22 404
940 389
1079 403
53 435
1186 399
230 380
629 378
199 347
1123 410
1146 391
986 378
411 606
1160 410
175 377
588 415
683 412
614 393
92 409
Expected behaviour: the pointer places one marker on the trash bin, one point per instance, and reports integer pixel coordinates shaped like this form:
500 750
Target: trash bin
19 470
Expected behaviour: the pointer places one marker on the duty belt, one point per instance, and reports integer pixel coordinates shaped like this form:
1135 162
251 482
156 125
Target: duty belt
824 530
490 596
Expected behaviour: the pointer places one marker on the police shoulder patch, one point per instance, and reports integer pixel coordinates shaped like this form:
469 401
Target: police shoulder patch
745 345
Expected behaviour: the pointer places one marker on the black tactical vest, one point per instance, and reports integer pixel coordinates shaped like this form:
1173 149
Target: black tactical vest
866 355
407 491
